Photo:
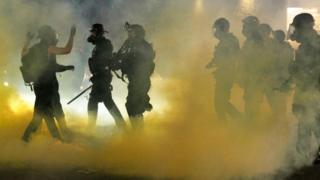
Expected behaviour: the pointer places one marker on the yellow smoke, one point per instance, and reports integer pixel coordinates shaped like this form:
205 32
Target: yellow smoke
183 140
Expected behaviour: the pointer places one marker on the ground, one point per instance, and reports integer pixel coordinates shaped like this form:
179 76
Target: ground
308 173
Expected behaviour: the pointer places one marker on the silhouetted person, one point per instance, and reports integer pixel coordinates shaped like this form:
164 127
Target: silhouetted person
305 71
99 65
135 59
251 70
268 63
279 72
224 61
44 67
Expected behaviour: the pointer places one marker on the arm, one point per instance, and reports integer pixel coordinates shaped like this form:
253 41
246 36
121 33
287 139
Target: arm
64 50
105 54
62 68
210 64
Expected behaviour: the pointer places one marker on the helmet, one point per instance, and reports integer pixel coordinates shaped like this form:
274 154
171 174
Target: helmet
222 24
98 28
47 33
279 35
265 29
250 28
138 29
251 20
304 20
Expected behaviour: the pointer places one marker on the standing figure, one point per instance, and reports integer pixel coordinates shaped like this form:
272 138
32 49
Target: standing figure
305 72
251 70
135 59
279 73
224 61
268 62
40 68
99 65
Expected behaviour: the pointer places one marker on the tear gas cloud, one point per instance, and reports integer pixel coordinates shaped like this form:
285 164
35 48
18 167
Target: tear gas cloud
183 137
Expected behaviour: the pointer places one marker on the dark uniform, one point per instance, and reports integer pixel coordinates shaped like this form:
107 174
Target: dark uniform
225 55
279 73
101 77
270 67
251 71
305 71
136 56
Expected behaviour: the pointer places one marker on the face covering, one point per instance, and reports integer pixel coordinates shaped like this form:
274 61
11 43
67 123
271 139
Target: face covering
92 39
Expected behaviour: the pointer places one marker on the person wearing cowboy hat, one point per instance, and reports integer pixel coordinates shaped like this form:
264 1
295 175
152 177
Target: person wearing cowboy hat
101 77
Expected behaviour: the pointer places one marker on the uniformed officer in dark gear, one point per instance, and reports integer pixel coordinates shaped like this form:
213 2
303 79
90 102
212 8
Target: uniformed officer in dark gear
46 86
251 71
279 72
135 59
224 61
305 71
99 65
269 65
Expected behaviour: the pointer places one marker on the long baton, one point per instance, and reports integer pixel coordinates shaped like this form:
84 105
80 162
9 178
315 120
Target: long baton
79 94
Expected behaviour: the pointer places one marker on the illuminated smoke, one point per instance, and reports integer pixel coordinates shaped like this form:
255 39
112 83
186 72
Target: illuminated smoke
182 138
247 6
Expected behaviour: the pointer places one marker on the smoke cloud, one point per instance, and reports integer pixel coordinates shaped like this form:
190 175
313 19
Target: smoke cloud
183 138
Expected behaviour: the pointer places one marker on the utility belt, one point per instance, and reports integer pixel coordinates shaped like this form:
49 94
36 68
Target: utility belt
101 76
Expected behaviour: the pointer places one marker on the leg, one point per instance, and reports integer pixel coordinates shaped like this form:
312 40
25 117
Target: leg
233 111
148 105
220 106
115 112
137 121
52 126
304 131
32 127
278 102
58 113
222 97
135 106
253 97
37 117
317 133
92 112
303 138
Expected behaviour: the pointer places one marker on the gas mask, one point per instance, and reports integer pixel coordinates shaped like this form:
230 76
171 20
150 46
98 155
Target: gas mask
292 33
92 39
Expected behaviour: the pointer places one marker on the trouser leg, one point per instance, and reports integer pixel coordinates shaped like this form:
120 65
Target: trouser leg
253 99
233 111
304 132
53 129
137 121
59 114
134 110
92 112
32 127
115 112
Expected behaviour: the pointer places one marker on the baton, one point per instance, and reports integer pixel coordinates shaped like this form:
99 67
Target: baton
79 94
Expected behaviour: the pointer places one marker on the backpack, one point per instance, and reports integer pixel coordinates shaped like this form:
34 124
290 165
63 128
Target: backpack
33 64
